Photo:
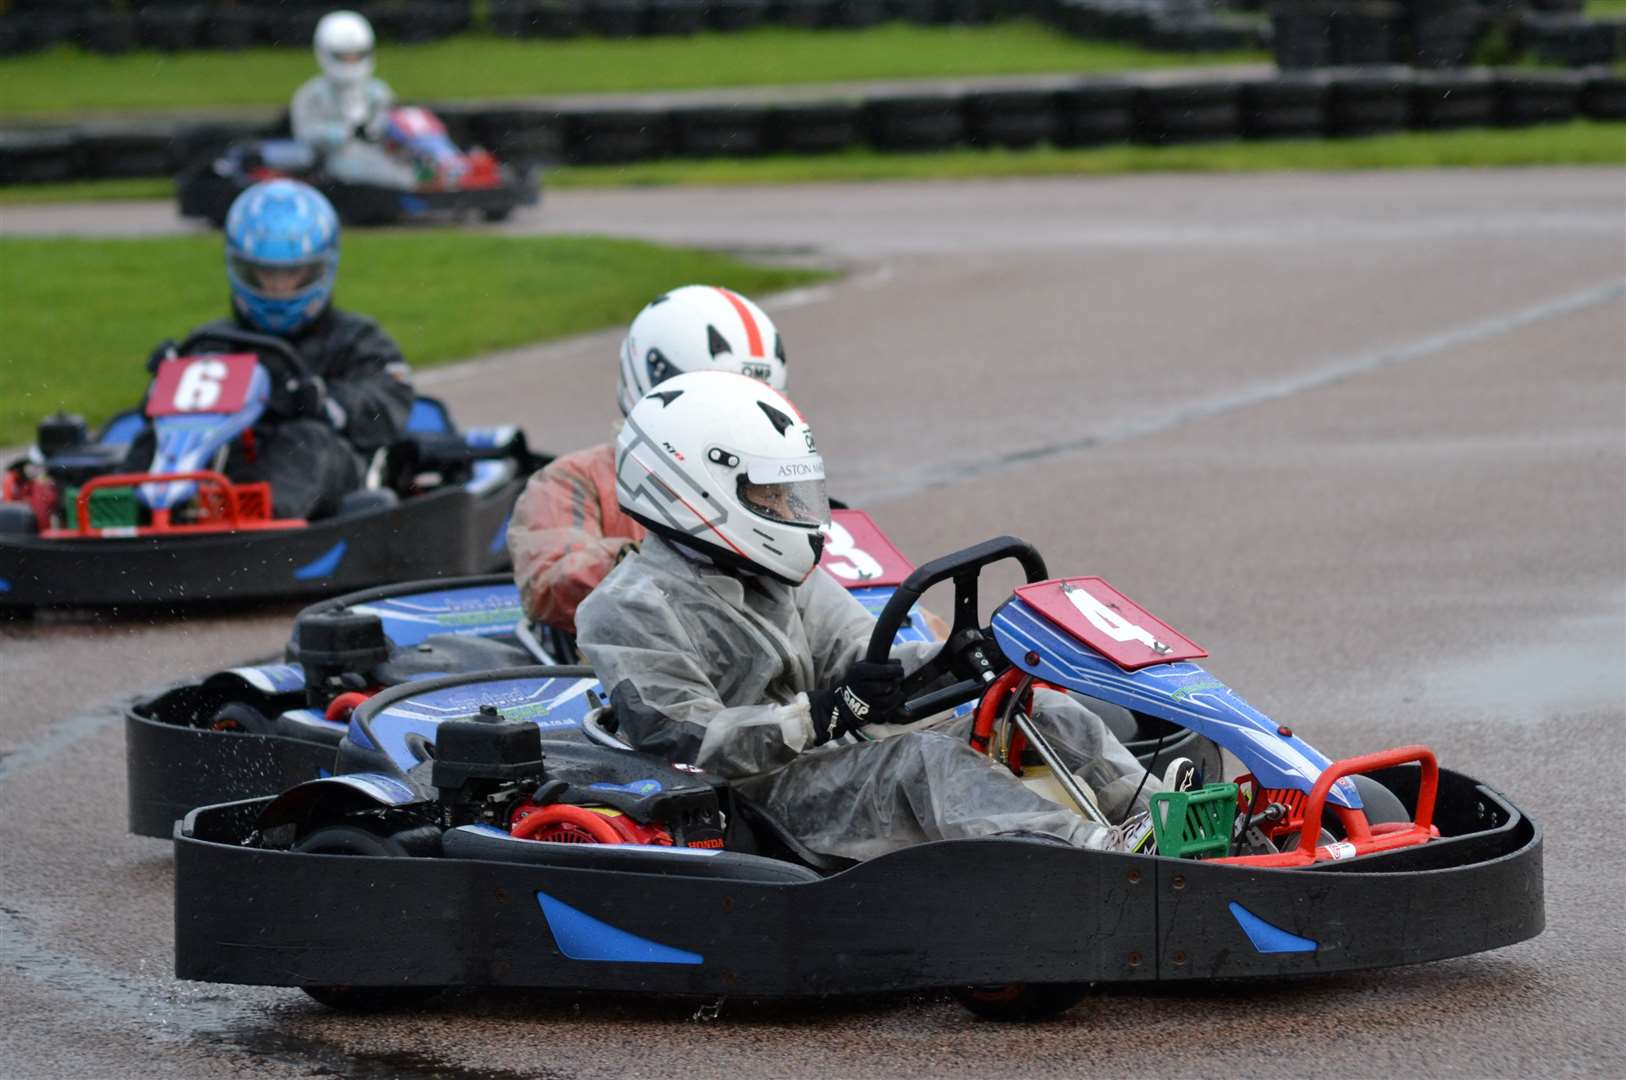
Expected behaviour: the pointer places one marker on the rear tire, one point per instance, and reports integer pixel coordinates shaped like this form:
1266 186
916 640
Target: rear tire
17 520
1021 1002
495 216
359 840
246 719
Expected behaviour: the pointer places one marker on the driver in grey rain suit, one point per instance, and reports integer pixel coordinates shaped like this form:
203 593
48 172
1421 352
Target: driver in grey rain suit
723 648
341 113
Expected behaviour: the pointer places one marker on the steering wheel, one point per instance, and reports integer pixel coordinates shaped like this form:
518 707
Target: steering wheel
964 653
281 360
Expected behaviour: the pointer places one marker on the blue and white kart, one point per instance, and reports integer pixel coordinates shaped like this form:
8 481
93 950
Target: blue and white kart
472 838
257 730
78 529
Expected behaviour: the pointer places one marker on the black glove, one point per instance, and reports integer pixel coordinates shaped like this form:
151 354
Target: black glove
304 398
869 694
166 349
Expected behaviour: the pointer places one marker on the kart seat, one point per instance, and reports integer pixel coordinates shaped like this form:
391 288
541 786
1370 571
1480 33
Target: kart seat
492 844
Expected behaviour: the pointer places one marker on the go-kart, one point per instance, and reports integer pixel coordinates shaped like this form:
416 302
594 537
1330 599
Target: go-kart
461 843
260 729
450 181
79 528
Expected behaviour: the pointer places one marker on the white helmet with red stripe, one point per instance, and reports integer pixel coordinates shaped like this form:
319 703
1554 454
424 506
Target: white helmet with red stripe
726 466
699 328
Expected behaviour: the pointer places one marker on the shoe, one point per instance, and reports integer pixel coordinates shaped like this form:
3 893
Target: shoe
1181 775
1133 837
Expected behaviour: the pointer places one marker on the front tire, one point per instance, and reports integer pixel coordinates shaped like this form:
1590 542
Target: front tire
1021 1002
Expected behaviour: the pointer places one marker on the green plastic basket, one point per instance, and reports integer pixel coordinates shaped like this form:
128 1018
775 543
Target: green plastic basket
110 508
1193 824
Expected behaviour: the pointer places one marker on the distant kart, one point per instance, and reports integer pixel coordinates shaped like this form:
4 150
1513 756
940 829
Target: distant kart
470 836
77 529
257 730
451 182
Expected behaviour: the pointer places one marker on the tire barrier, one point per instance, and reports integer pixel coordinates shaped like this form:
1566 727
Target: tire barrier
1453 99
821 127
1368 104
1095 114
1146 109
616 136
616 18
1013 118
920 122
1604 98
537 18
721 131
173 25
1188 112
1286 108
1539 97
676 17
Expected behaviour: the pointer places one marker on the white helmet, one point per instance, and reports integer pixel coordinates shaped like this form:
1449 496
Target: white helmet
726 465
344 47
699 328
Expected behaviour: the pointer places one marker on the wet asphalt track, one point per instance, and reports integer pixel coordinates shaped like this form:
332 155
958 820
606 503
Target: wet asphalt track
1364 437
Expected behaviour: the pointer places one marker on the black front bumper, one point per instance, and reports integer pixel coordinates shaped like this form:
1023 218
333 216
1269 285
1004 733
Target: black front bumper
944 914
443 533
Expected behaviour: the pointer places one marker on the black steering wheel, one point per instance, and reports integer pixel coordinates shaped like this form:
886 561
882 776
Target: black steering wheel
965 651
280 359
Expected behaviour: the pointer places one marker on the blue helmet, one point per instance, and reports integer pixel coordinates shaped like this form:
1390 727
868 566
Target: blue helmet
282 254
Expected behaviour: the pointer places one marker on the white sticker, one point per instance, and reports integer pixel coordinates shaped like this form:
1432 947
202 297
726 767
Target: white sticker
845 559
1341 850
786 470
199 386
1109 622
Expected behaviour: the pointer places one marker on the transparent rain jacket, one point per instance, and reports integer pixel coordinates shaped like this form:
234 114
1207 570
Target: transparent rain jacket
724 664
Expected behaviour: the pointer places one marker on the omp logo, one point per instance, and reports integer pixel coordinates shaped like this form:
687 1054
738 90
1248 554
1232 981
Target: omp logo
855 704
759 372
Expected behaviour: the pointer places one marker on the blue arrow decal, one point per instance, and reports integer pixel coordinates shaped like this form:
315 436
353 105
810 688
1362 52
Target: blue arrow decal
499 541
324 565
1267 938
5 586
582 937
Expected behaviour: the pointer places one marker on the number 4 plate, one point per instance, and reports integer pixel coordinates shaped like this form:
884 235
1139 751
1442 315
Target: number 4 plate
202 384
1109 622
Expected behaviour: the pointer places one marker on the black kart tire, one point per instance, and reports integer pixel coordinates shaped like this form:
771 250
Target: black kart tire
358 840
1382 806
1020 1002
496 215
16 520
238 717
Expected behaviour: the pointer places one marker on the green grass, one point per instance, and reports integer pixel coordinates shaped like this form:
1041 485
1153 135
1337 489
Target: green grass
146 187
65 80
80 316
1605 7
1578 143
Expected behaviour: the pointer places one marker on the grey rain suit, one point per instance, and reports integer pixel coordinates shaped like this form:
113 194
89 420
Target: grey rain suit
327 117
727 663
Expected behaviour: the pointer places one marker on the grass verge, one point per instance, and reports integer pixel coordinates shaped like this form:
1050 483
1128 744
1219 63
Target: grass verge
81 315
1580 142
471 66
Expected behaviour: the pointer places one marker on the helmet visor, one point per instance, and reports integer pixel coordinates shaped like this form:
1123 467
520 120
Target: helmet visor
788 492
353 56
278 281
